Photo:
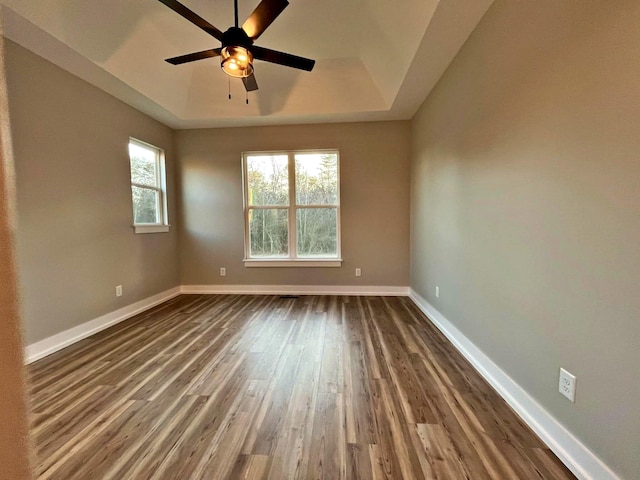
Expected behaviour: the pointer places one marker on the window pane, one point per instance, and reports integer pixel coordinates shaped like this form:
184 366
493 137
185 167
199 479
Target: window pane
268 180
145 205
268 232
317 232
143 165
316 178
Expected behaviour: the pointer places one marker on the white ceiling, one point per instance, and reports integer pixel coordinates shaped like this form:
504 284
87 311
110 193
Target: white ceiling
375 59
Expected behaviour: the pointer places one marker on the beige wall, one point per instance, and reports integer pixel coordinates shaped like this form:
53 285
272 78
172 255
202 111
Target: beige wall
75 240
526 207
374 168
14 445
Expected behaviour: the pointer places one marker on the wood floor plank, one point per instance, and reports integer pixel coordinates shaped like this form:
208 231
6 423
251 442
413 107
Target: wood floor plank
276 404
358 462
251 467
332 361
440 459
261 387
291 455
327 459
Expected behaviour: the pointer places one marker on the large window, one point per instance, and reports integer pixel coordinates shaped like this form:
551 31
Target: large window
148 188
292 208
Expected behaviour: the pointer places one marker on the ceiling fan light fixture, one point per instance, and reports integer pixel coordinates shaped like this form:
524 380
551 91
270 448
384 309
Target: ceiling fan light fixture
236 61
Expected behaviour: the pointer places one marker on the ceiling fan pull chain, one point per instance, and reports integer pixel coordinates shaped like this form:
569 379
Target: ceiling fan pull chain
229 83
246 97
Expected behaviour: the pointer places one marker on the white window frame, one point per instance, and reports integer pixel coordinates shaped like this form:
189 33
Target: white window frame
292 260
160 187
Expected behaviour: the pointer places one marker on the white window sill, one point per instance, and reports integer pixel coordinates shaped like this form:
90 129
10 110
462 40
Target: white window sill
306 262
151 228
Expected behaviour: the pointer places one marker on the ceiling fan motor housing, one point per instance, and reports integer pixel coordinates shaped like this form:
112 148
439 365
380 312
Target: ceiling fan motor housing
236 37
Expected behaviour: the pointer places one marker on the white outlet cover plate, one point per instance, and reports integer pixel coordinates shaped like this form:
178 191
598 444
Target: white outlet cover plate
567 385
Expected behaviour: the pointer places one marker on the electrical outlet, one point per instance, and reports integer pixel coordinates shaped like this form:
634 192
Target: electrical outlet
118 290
223 272
437 291
358 272
567 385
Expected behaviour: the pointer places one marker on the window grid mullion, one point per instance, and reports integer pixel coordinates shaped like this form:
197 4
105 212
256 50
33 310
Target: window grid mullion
293 232
267 207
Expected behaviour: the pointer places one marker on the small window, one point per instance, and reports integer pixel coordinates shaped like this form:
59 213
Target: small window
148 188
292 209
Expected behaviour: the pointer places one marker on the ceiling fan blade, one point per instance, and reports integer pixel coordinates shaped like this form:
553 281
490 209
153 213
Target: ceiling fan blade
263 16
192 57
250 83
193 18
282 58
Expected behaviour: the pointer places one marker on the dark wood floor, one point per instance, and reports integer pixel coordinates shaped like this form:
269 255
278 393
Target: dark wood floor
257 387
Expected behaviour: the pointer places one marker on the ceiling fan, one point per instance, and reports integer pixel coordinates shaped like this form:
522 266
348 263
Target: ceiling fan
238 51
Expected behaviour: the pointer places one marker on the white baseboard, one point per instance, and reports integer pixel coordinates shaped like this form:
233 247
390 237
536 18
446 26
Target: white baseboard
296 290
568 448
56 342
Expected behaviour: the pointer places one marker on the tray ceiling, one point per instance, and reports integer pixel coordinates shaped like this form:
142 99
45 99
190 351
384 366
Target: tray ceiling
376 60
